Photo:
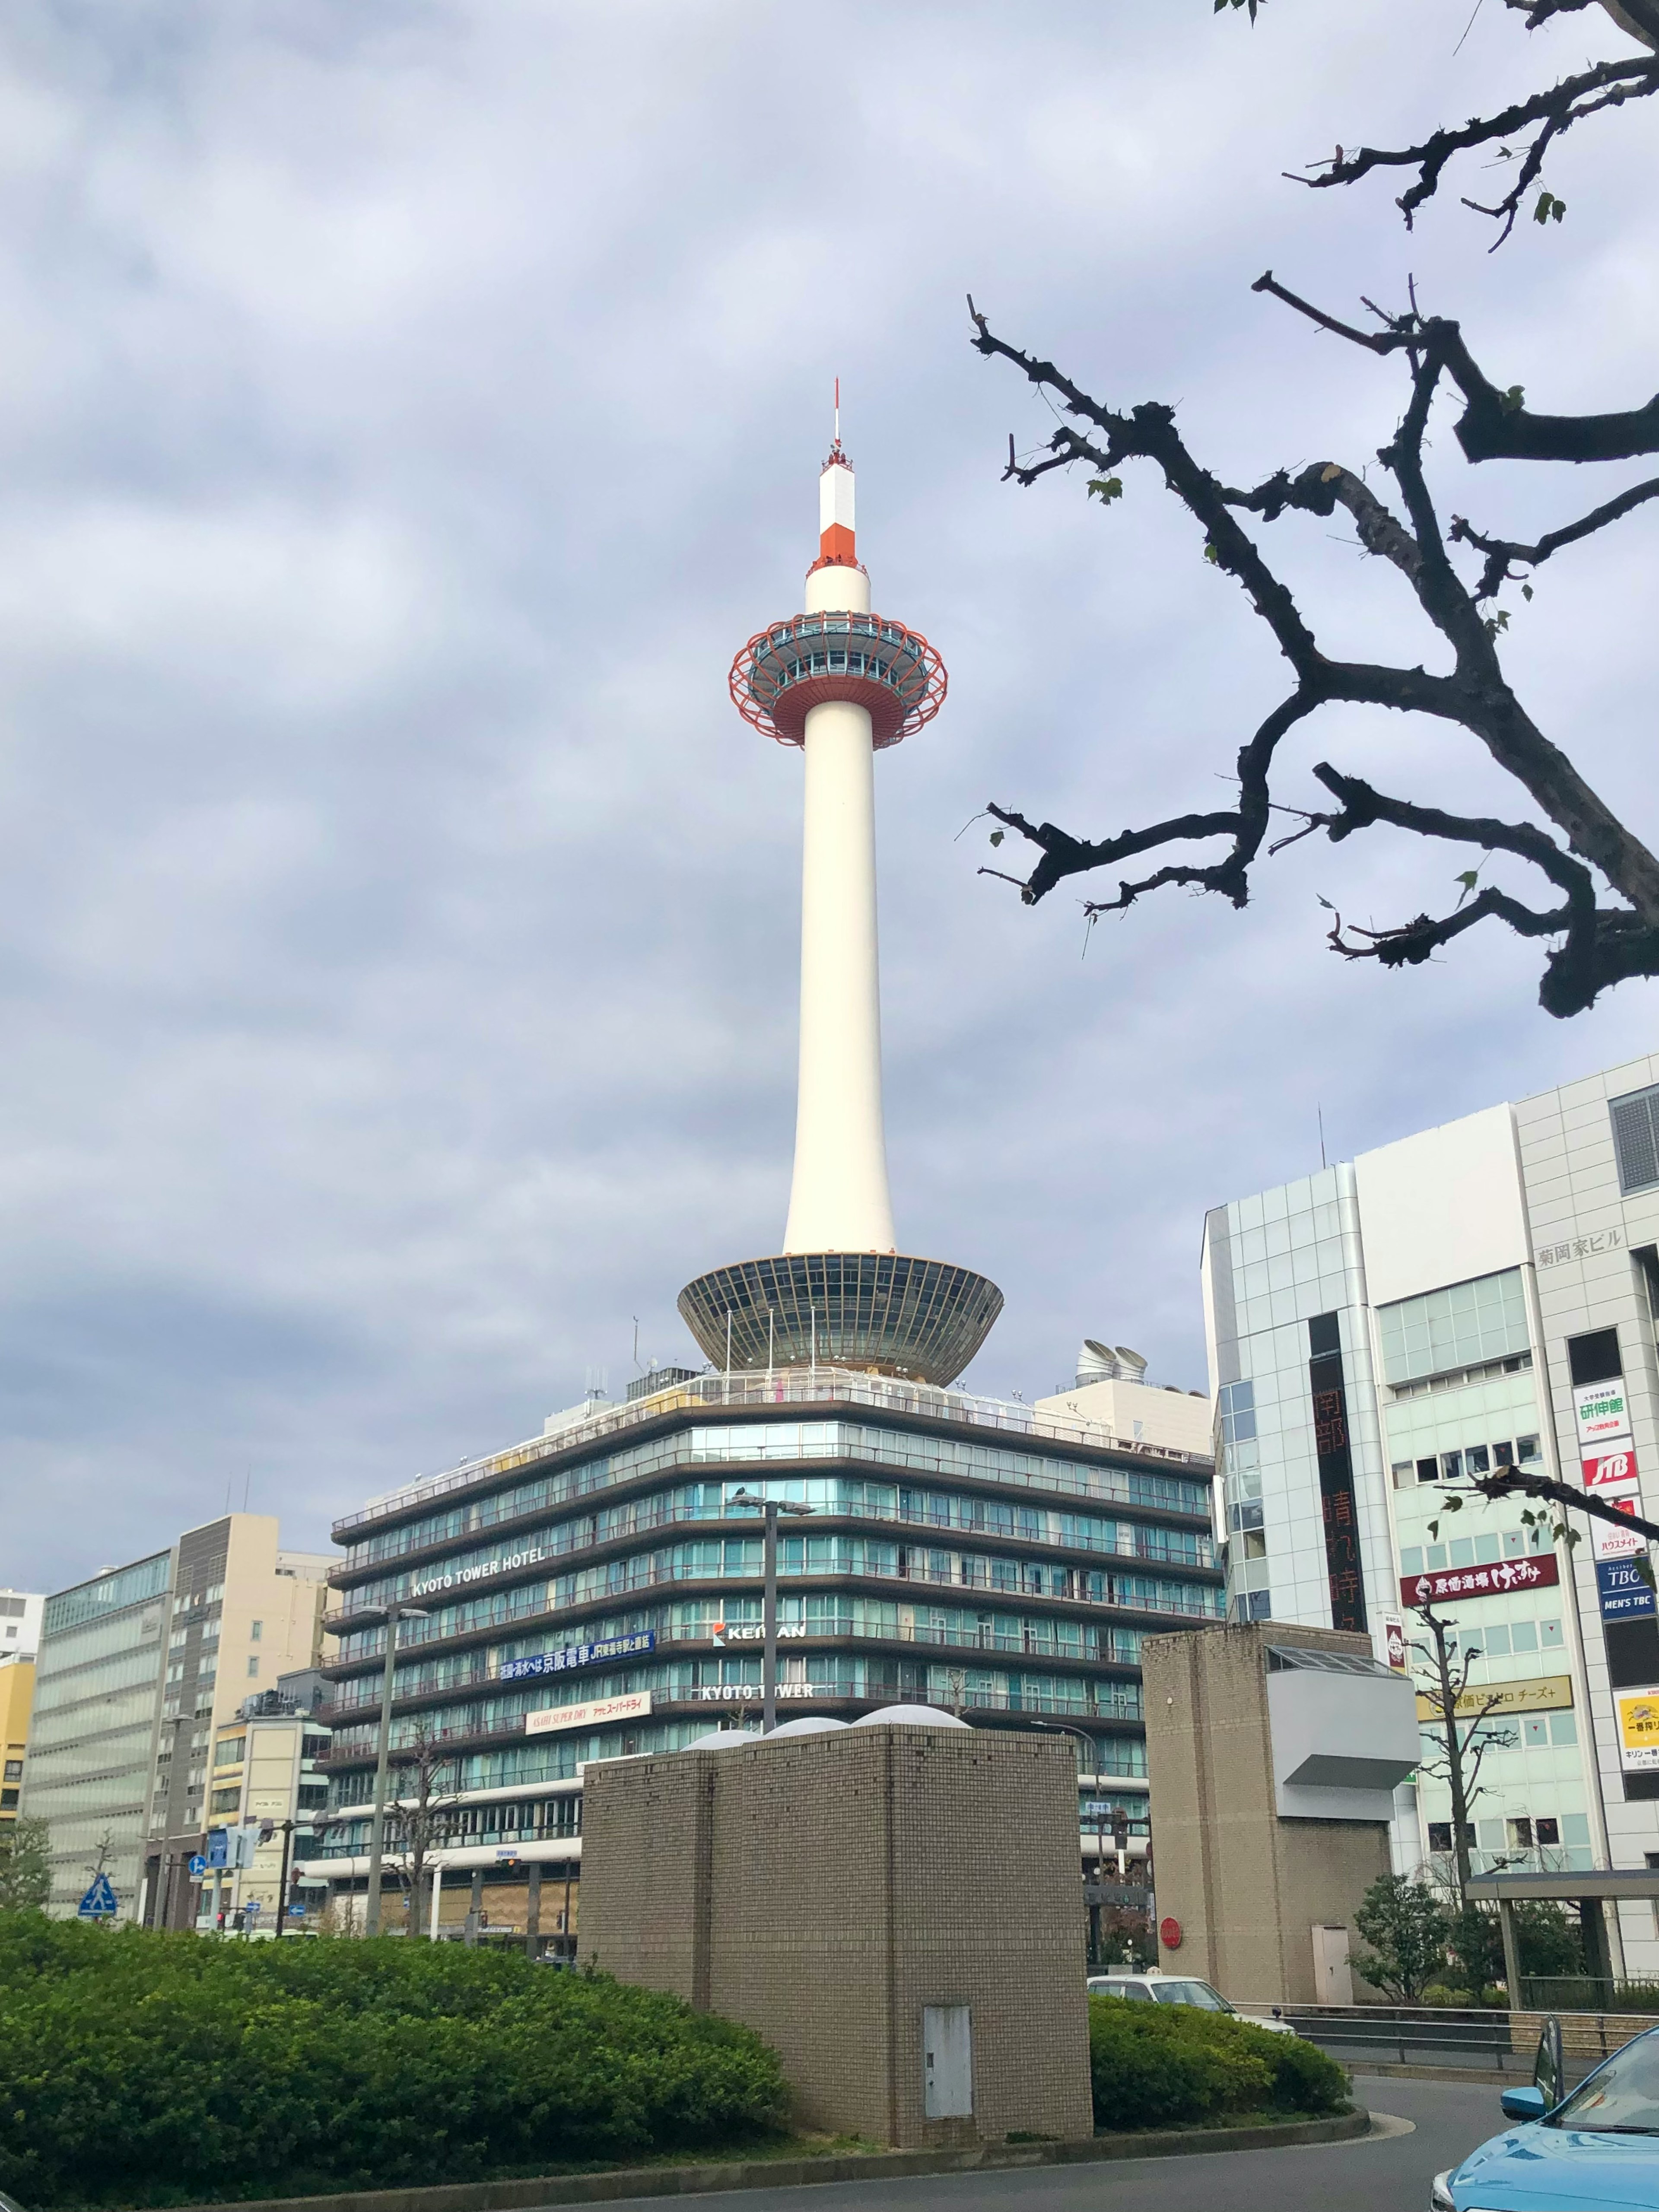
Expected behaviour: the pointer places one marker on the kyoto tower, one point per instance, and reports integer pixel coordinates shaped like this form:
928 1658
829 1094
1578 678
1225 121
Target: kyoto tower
840 684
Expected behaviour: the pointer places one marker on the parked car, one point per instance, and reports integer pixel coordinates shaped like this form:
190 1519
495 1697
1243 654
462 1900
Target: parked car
1155 1988
1595 2149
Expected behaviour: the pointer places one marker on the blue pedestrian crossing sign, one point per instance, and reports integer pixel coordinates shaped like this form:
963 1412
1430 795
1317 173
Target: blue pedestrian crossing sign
99 1903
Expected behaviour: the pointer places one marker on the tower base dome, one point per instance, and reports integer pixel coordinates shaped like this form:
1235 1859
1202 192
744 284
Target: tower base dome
920 1320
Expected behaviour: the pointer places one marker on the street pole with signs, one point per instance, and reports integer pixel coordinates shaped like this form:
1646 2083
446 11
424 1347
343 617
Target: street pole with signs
769 1509
395 1612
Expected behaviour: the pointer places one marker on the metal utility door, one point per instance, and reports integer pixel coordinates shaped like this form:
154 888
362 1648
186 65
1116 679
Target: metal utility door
947 2062
1333 1978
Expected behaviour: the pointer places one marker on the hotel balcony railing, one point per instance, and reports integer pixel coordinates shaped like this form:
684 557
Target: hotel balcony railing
1208 1598
713 1697
362 1692
788 1386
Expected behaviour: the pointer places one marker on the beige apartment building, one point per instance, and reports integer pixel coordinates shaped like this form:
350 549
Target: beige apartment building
243 1612
266 1767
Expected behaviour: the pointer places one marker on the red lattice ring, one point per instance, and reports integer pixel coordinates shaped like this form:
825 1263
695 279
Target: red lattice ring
806 661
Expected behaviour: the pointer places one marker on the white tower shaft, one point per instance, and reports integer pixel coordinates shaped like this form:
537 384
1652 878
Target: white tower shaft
839 1198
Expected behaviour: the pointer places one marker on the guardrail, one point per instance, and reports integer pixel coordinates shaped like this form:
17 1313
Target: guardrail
1494 2041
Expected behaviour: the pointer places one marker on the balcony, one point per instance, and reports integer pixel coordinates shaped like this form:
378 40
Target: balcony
823 1387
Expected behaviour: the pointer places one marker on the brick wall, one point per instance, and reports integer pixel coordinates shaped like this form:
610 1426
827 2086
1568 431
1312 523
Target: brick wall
1247 1886
825 1889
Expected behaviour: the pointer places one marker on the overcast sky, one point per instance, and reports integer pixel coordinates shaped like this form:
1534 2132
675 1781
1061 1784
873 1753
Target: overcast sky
409 407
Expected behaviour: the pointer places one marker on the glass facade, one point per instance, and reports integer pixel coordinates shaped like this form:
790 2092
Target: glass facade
1437 1386
91 1739
1012 1583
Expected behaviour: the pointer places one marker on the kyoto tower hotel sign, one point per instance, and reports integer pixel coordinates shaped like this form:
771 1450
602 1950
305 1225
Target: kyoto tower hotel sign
841 685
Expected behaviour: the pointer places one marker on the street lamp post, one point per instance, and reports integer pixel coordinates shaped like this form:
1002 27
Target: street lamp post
395 1612
769 1509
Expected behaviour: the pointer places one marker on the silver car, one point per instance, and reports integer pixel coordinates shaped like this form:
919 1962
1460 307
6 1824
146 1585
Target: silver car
1152 1987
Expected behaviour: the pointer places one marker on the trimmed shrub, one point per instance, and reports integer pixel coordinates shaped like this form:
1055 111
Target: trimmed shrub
143 2068
1164 2065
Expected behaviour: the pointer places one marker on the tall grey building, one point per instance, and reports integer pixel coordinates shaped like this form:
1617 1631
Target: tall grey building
92 1742
1478 1296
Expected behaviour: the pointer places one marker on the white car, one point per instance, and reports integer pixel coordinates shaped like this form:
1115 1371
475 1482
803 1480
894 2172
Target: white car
1158 1988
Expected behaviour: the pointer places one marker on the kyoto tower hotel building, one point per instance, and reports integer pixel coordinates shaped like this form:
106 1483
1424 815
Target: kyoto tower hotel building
597 1590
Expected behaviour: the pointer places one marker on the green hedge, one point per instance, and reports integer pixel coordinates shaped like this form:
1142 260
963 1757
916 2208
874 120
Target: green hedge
144 2069
1162 2065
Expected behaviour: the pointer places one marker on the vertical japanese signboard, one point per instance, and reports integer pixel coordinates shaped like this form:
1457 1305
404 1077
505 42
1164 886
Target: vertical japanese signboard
1328 1387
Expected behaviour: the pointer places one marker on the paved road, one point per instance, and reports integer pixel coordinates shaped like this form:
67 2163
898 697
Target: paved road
1387 2175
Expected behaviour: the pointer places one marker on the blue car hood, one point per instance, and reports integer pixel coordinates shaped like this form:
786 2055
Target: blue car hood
1529 2168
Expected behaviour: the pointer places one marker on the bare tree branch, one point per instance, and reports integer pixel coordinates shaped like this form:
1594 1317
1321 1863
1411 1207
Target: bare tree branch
1501 552
1496 424
1608 84
1600 944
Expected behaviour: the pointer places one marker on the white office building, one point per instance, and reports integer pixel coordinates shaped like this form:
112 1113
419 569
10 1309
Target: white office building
1481 1295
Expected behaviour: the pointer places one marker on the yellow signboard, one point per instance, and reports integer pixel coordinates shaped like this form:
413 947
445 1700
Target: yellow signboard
1638 1729
1546 1694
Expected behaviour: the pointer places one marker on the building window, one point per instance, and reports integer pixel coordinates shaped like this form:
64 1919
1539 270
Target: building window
14 1770
256 1630
1595 1358
1466 1324
8 1798
1635 1140
224 1801
252 1669
1440 1835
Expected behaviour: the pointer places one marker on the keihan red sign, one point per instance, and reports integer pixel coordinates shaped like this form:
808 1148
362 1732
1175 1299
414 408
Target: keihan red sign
1169 1933
1501 1579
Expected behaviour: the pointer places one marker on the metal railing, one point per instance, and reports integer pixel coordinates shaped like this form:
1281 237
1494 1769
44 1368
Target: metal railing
965 1570
363 1690
789 1386
1587 1993
1489 2040
840 1688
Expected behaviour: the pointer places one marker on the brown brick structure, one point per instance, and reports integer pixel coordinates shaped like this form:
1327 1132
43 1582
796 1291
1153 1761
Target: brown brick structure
826 1889
1247 1886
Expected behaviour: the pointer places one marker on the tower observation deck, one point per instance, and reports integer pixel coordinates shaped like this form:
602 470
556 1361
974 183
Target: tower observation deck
840 684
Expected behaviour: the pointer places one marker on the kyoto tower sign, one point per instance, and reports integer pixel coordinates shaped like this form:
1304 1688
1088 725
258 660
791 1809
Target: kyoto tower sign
841 685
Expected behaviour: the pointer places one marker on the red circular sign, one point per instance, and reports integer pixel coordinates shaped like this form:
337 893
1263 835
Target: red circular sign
1168 1934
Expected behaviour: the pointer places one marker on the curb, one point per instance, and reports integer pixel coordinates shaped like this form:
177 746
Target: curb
795 2172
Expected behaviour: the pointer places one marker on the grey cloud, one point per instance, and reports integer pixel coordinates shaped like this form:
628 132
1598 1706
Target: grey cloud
409 411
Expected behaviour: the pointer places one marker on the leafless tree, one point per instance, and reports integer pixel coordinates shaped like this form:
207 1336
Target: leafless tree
1595 907
426 1801
1462 1725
